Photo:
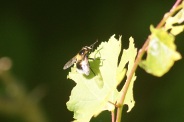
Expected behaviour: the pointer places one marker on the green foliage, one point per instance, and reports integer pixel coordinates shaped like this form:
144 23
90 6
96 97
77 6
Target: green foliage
161 53
172 23
94 94
128 56
88 98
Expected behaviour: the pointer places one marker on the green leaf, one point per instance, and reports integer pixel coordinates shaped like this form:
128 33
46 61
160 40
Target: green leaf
177 19
177 29
128 56
161 53
94 94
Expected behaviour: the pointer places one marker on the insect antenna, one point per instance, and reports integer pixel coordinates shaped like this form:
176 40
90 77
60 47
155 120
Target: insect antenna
91 46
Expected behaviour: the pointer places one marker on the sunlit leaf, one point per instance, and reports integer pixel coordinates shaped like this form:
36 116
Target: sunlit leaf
177 19
95 93
161 53
128 56
177 29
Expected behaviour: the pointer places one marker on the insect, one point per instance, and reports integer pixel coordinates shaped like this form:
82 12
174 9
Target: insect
81 60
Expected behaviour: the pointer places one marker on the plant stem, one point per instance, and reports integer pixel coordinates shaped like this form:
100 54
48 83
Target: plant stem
127 83
175 8
112 116
138 59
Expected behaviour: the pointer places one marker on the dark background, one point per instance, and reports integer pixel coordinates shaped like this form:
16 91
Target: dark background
41 36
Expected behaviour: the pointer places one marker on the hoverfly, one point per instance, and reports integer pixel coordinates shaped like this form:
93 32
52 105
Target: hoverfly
81 60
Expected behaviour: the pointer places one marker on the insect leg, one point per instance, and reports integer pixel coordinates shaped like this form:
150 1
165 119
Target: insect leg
92 71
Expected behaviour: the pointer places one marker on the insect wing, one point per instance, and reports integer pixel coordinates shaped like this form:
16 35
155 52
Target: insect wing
70 63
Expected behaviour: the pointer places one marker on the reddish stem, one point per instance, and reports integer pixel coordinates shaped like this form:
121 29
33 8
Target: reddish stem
137 60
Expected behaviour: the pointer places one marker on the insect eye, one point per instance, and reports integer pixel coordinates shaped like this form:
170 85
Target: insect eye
81 52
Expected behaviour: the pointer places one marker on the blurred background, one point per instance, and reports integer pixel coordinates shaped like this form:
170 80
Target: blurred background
39 37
